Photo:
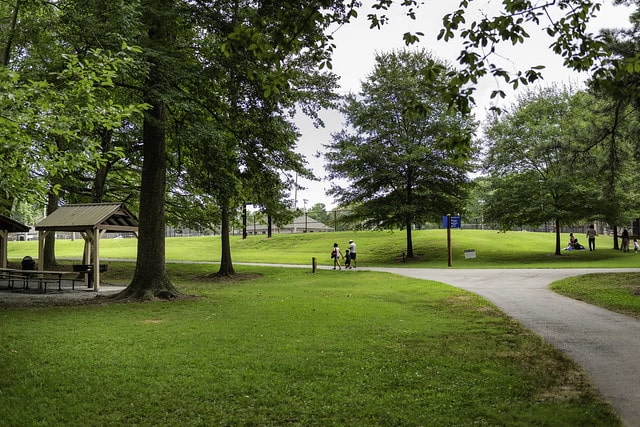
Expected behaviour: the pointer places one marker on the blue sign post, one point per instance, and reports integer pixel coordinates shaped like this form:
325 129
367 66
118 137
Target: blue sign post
449 222
455 221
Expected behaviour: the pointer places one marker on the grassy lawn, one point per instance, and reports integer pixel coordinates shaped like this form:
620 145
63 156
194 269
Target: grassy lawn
287 347
381 248
619 292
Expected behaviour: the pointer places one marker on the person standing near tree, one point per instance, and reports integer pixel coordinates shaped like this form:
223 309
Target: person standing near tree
591 235
352 253
625 240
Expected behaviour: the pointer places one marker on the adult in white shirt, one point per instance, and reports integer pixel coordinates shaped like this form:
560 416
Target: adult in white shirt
352 252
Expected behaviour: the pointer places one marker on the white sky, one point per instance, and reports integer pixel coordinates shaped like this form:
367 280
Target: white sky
354 59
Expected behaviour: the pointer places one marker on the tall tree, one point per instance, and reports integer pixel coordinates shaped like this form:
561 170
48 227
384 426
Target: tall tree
245 151
402 164
150 278
538 169
615 137
45 40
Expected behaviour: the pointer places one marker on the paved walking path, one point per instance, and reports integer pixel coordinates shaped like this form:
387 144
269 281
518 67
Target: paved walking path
605 344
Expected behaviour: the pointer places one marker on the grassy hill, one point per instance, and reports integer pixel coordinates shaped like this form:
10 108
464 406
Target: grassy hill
381 248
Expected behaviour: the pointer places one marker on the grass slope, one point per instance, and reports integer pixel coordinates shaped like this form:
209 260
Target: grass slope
494 250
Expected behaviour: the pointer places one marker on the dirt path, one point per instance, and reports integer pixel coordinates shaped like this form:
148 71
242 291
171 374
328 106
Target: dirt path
605 344
19 297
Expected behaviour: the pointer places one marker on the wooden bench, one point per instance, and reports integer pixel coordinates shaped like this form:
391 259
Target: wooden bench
5 275
11 275
42 277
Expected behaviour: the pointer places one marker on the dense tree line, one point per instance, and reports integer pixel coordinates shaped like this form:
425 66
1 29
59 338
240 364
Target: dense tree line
573 152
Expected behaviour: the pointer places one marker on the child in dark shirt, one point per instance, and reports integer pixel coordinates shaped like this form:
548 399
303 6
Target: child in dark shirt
347 260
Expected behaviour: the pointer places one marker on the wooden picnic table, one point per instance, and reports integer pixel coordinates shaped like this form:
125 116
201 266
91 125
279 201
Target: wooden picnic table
40 276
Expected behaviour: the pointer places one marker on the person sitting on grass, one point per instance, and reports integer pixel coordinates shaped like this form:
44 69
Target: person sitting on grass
578 246
574 245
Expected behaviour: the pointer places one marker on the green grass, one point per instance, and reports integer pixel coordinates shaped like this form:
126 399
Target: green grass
287 348
294 348
382 248
619 292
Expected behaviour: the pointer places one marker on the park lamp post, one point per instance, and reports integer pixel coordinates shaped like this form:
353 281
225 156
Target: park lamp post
305 214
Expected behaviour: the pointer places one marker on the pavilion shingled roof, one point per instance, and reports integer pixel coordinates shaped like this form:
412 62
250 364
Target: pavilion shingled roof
11 225
87 216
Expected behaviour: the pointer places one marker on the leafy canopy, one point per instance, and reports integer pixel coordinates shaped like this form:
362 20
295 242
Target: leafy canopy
394 163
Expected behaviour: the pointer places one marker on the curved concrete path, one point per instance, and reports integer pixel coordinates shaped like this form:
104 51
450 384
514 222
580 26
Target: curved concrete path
605 344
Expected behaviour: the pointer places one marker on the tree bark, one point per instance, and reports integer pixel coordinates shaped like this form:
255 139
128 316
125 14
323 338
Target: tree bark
49 253
150 278
226 265
409 239
558 244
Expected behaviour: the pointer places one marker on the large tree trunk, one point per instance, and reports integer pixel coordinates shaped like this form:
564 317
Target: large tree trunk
150 277
558 244
49 253
226 265
409 239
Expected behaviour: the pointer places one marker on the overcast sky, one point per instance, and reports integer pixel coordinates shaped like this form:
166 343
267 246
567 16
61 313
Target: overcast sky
357 46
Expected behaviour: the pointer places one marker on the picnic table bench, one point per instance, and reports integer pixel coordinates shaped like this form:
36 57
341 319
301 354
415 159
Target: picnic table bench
41 277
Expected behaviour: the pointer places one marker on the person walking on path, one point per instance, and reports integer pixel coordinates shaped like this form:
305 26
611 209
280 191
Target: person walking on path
591 235
352 253
335 254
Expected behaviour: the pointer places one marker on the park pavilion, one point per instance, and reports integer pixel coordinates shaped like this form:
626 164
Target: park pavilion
8 225
91 220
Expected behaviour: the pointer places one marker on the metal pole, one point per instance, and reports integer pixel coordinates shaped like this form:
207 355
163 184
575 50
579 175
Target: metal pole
449 240
305 215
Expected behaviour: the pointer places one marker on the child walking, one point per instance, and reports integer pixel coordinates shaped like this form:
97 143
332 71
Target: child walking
347 260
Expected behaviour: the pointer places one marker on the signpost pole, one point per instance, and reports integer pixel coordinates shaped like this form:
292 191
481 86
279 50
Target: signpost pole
449 240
